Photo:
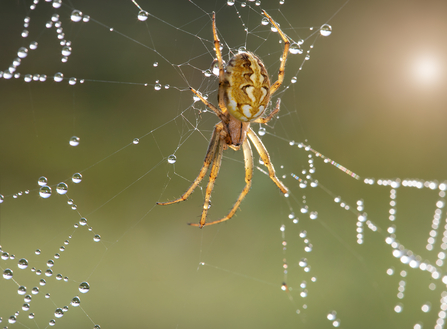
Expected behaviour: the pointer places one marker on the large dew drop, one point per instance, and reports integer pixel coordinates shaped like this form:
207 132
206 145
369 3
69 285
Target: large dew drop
7 274
84 287
42 181
172 159
295 49
76 178
325 30
66 51
61 188
58 77
23 263
22 52
45 192
21 290
143 15
58 313
74 141
75 301
76 15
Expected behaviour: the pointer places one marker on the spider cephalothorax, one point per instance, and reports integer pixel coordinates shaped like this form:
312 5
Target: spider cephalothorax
244 93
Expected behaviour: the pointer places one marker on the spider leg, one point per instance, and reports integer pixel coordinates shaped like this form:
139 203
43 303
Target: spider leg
213 145
271 115
217 161
248 159
278 82
221 116
266 159
222 105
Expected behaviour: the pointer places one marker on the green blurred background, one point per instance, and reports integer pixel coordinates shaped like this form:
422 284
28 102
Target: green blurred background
372 97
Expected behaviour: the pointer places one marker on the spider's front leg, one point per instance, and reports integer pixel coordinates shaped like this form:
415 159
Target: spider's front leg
282 67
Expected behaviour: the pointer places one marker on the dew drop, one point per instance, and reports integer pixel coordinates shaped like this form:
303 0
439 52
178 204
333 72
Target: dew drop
86 18
261 131
157 86
61 188
2 198
42 181
76 178
76 15
45 192
97 238
172 159
241 49
426 307
295 49
207 73
25 307
155 64
331 315
72 81
83 221
12 319
325 30
66 51
74 141
22 52
143 15
313 215
308 247
58 313
58 77
23 263
84 287
57 3
25 33
5 256
7 274
135 141
265 21
21 290
230 2
215 67
75 301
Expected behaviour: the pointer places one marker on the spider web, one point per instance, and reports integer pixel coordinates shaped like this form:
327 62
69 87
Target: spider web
343 249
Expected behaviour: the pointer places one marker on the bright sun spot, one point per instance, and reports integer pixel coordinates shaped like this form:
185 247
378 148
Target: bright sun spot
426 69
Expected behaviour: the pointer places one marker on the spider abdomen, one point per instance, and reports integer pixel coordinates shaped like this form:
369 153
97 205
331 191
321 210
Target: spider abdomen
247 87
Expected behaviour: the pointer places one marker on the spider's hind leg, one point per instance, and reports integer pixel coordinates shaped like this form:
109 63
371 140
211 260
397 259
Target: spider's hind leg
213 145
248 159
217 161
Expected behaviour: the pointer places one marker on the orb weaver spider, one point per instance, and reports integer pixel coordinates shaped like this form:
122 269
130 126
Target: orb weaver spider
244 93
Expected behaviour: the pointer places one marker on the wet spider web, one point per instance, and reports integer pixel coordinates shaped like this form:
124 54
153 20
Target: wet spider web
98 124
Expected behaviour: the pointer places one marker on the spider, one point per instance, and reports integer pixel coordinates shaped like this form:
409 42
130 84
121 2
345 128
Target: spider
244 93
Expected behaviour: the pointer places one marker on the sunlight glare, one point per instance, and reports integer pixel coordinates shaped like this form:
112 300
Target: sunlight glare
426 69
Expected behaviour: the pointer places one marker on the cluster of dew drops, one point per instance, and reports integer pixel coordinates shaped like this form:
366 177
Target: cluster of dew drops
66 45
45 192
22 264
